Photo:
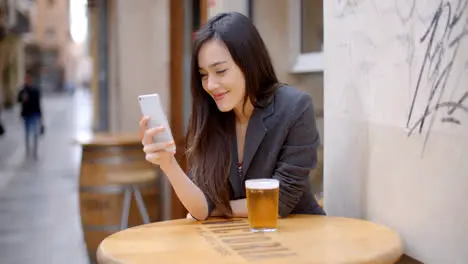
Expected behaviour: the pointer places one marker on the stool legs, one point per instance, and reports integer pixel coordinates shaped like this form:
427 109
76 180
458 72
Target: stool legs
126 206
141 205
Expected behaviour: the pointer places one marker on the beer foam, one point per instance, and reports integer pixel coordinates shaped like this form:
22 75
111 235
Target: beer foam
262 184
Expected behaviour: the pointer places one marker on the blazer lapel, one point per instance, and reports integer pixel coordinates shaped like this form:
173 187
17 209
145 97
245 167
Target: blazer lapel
234 180
256 131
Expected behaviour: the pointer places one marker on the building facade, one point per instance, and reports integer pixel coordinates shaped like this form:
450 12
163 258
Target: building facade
35 39
14 24
50 22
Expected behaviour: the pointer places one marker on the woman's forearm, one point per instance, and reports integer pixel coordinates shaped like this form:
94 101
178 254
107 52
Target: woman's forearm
189 194
239 208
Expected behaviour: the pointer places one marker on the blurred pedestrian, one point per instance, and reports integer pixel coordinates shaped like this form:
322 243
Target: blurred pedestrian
30 99
2 129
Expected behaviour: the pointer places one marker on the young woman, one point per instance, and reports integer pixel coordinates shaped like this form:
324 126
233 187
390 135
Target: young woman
244 125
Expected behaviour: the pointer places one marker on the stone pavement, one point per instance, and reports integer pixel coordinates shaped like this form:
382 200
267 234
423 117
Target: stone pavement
39 210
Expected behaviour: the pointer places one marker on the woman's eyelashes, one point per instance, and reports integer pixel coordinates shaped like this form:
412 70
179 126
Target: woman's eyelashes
203 76
221 72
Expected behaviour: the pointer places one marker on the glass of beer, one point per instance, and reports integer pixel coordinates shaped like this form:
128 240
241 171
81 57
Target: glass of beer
262 204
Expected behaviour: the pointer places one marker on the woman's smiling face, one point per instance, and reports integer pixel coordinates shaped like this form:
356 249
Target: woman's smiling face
220 76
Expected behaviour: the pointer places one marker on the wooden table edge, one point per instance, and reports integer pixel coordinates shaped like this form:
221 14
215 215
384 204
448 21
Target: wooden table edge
108 259
102 258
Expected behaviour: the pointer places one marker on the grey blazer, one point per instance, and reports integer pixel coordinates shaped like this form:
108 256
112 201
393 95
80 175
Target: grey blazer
281 143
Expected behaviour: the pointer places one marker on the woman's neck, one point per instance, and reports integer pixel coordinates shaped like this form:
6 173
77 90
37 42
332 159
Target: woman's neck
243 114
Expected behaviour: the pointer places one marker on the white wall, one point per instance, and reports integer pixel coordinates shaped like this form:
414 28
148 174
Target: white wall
416 184
220 6
139 59
273 21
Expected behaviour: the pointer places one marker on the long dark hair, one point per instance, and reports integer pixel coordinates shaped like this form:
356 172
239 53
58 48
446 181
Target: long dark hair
210 131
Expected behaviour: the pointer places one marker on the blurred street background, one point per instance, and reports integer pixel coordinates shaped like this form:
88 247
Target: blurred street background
390 66
90 59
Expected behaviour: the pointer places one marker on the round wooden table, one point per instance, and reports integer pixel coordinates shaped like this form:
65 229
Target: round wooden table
299 239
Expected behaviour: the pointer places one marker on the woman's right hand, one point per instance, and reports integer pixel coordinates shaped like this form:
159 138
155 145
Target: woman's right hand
157 152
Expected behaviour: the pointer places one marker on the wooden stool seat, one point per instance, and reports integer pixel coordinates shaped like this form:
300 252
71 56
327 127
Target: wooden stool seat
132 177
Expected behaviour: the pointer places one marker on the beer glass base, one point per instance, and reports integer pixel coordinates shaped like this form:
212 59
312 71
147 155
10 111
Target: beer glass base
262 230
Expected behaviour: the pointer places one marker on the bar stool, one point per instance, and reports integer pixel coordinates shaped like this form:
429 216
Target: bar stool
131 183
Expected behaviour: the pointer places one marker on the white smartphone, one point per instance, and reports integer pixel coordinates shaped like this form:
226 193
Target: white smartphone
150 105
